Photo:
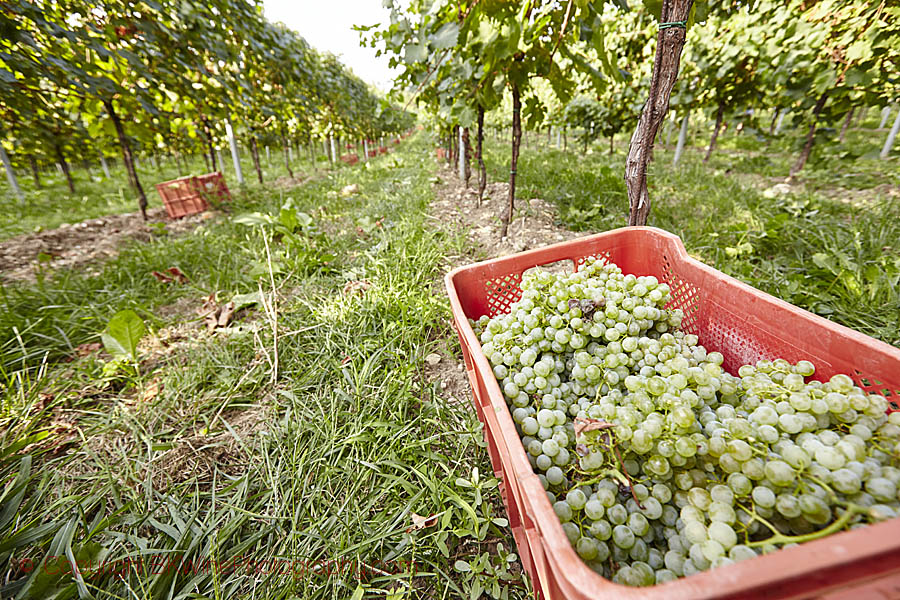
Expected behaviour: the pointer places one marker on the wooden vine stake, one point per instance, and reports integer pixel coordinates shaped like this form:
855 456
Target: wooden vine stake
669 43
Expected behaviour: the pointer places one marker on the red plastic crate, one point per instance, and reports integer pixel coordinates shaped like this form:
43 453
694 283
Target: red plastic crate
743 324
213 187
350 159
182 197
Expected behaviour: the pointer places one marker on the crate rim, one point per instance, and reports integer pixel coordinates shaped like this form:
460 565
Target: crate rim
741 579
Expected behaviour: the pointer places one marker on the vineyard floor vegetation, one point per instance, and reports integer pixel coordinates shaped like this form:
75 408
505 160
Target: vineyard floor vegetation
355 446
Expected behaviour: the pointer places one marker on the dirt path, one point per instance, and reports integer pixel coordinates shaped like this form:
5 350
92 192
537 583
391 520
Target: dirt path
78 244
456 209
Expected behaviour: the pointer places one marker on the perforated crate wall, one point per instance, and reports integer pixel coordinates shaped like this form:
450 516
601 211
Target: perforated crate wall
182 197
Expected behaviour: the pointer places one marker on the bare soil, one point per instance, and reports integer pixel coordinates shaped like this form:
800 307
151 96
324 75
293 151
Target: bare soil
79 244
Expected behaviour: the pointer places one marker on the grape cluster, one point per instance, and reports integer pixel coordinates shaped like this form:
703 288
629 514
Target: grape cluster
658 463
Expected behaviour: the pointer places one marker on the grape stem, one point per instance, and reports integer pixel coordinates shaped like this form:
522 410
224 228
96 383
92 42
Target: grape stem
779 538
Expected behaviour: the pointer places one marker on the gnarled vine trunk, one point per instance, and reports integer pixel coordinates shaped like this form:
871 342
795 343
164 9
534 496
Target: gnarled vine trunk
715 134
254 151
482 172
126 157
467 155
669 44
514 161
810 137
284 154
209 144
846 124
64 165
35 174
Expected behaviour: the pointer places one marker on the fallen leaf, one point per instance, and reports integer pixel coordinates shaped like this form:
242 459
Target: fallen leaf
585 425
211 320
357 286
226 313
348 190
420 522
209 305
151 391
162 277
85 349
178 275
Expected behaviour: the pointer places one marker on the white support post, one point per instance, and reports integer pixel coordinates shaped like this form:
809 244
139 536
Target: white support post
889 142
365 150
268 157
682 138
290 154
221 162
105 166
10 174
333 149
462 155
59 169
885 114
234 152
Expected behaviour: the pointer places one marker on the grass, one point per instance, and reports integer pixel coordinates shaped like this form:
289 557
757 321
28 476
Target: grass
831 250
300 482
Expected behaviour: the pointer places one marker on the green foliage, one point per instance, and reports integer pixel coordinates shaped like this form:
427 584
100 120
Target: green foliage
122 334
174 74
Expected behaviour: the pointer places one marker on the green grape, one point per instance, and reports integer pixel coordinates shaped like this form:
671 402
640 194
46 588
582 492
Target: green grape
623 537
712 550
763 496
722 533
587 548
563 511
638 523
779 472
601 530
617 514
788 506
700 498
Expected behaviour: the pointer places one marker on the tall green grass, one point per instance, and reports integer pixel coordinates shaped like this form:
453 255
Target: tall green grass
212 474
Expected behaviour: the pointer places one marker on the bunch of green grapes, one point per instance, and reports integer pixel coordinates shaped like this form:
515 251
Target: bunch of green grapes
658 463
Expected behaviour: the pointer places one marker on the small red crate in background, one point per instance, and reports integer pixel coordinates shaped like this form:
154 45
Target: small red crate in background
396 141
373 153
182 197
383 150
440 152
214 188
350 159
743 324
191 195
